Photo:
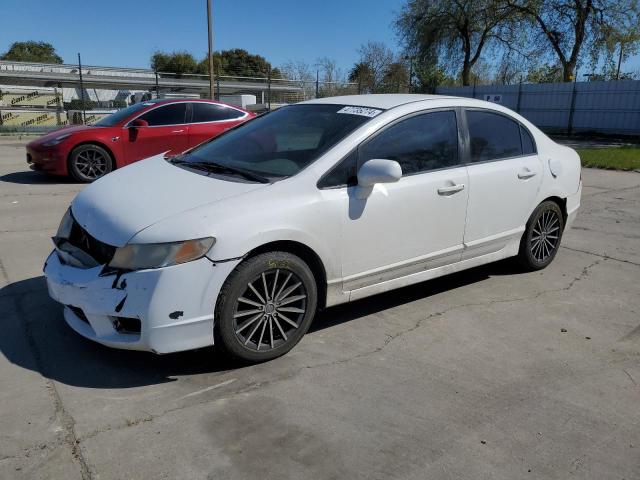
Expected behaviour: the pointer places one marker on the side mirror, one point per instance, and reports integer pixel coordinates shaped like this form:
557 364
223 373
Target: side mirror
378 171
138 122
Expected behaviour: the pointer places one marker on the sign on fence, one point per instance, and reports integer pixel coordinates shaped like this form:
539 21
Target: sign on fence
492 97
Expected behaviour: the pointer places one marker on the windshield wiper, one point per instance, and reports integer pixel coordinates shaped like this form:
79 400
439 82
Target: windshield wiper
217 167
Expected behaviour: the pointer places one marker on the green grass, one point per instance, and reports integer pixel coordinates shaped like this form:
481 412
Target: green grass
617 158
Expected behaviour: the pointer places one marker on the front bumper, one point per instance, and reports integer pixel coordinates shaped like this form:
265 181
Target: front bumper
49 160
174 305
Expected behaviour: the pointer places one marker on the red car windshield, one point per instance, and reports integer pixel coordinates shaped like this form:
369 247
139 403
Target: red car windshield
121 115
283 142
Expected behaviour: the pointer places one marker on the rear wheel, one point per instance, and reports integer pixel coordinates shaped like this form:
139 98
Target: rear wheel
89 162
541 239
265 307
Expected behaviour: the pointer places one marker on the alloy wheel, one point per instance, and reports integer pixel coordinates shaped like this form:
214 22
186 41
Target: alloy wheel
270 310
92 163
545 235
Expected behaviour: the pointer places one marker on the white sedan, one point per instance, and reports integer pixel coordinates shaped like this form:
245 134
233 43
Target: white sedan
241 240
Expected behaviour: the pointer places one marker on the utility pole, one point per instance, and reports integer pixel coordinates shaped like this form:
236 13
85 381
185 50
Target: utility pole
84 113
210 31
619 62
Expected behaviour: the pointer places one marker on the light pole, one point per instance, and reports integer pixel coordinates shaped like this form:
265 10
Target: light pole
210 32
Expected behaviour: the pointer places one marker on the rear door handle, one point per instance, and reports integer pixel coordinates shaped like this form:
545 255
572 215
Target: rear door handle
451 189
526 174
177 131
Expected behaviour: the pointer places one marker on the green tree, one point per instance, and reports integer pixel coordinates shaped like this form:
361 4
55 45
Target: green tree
175 62
458 31
238 62
569 29
546 73
32 52
362 74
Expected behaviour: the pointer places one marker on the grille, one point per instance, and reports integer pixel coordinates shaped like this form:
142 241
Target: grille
99 251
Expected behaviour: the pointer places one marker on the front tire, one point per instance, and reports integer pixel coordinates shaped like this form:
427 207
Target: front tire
541 239
89 162
265 307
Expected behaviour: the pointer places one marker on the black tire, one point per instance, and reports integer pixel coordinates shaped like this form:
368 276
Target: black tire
89 162
541 240
268 273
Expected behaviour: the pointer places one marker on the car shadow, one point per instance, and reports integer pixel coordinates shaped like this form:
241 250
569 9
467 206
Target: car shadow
29 177
35 336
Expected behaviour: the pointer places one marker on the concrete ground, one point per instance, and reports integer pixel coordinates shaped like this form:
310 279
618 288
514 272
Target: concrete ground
486 374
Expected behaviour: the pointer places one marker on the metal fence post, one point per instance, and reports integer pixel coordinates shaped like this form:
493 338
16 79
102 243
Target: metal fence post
84 113
157 87
269 87
519 95
473 94
317 83
218 88
571 110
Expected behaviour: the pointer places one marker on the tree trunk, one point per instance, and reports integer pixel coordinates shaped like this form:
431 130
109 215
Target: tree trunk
568 71
466 74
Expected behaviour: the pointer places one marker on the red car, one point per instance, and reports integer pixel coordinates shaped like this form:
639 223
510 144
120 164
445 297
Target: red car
87 152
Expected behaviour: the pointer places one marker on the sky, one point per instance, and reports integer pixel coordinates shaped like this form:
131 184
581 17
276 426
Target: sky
125 33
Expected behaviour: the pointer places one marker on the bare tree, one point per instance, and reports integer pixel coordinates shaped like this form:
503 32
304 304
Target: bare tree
571 27
375 60
458 30
301 75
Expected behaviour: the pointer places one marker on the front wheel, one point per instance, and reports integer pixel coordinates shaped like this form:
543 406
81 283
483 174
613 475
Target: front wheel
541 239
265 307
89 162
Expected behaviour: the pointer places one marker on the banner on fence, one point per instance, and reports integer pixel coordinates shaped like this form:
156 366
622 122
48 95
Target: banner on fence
32 118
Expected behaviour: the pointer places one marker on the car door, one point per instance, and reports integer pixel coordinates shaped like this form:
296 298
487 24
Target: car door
209 120
505 175
167 131
414 224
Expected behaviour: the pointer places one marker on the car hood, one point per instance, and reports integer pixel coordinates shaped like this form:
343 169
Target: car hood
60 131
119 205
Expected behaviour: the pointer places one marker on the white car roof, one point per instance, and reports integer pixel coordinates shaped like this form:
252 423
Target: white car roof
378 100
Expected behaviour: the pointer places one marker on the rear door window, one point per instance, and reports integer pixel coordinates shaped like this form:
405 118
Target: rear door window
209 112
493 136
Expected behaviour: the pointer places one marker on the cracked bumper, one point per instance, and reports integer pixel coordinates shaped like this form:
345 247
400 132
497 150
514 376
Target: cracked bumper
174 304
573 205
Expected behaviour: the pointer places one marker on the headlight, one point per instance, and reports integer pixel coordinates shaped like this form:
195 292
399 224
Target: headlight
64 230
155 255
56 140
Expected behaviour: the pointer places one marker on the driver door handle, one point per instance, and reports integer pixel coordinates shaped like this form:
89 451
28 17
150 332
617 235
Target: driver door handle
523 175
451 189
177 131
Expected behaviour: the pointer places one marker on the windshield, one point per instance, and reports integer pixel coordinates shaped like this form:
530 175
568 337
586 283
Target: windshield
120 115
283 142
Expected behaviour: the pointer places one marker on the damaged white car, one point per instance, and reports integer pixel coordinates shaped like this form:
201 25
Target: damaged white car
240 241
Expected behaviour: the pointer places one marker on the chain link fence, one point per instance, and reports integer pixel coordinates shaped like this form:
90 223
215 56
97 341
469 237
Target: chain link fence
39 97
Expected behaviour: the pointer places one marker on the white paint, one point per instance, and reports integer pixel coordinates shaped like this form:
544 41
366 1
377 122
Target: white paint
422 226
208 389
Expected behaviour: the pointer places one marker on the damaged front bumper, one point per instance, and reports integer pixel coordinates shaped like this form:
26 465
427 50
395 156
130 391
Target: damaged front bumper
161 310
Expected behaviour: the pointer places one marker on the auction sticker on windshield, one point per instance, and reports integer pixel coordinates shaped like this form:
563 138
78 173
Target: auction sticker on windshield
365 112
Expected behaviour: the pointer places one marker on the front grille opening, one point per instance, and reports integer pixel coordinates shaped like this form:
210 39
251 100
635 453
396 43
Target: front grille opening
126 325
78 313
99 251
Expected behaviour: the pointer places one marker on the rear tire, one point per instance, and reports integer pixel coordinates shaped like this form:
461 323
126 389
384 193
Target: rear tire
265 307
89 162
541 239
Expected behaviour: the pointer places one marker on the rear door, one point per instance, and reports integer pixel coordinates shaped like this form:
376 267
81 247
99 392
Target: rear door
505 175
209 120
167 132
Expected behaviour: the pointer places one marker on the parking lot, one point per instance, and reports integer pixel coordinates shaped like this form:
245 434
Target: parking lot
489 373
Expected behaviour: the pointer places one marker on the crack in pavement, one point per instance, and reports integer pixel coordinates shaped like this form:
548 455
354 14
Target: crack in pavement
389 339
605 257
65 419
